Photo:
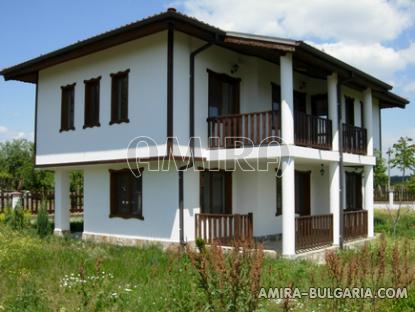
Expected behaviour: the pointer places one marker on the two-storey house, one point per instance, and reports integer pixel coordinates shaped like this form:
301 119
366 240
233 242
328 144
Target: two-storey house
310 119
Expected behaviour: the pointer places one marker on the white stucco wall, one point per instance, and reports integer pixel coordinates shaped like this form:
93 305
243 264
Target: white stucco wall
160 206
256 192
377 131
147 60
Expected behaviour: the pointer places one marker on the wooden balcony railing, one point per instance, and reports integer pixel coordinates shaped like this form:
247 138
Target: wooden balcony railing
234 130
355 224
312 131
313 231
354 139
254 128
224 228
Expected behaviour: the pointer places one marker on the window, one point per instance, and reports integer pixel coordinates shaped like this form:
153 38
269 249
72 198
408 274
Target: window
67 108
92 103
223 94
216 192
349 111
319 105
278 185
119 97
126 194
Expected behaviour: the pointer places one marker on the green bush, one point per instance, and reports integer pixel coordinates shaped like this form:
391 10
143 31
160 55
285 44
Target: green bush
42 221
16 218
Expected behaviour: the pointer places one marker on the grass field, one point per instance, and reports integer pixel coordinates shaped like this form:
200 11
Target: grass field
63 274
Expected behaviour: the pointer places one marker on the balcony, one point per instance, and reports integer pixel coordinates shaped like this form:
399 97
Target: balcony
354 139
224 228
255 128
313 231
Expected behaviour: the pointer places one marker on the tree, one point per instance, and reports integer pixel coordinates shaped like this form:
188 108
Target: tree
403 160
17 170
381 178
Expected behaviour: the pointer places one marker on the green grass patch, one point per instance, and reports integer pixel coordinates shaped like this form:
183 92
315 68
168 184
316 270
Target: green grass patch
45 274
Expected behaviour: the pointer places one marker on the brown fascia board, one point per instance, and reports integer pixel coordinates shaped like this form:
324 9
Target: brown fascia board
27 71
388 99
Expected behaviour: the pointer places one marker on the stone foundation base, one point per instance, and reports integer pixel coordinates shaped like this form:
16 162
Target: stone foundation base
59 232
127 240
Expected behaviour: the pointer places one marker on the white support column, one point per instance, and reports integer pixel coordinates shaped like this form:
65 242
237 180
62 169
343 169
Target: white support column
368 198
333 114
287 105
288 207
335 200
367 103
62 202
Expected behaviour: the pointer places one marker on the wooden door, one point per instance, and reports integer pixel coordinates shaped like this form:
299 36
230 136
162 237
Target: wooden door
354 191
216 192
302 192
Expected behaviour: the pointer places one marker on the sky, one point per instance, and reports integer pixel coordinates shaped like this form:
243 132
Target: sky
376 36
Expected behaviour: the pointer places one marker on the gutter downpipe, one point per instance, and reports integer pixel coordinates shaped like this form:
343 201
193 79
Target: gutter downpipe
191 132
341 164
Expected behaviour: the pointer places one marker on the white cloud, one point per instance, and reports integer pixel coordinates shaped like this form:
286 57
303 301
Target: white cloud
409 88
373 58
7 134
356 32
340 20
408 54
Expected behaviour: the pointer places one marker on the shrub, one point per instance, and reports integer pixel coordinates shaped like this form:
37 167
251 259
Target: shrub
229 281
42 221
16 218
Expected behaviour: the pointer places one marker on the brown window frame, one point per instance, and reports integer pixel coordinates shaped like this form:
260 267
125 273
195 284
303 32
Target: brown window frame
114 207
91 113
213 93
114 96
67 122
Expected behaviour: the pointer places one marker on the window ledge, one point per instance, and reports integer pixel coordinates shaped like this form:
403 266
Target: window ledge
119 121
69 129
111 216
91 126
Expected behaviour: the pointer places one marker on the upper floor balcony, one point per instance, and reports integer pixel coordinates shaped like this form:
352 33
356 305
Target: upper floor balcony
229 131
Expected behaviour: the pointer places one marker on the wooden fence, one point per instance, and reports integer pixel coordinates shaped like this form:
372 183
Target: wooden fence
32 201
382 195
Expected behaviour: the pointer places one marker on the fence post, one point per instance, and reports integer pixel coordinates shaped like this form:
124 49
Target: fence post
391 199
16 199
